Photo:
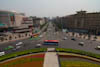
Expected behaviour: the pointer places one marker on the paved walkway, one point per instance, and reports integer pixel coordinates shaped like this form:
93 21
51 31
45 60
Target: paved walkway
51 60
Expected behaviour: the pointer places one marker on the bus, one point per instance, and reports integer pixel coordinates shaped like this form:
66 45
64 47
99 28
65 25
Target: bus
51 42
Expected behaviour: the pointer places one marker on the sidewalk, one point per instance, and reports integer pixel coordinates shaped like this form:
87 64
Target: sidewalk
51 60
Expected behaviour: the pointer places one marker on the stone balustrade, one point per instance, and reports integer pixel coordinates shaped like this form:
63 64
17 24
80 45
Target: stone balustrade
14 37
84 36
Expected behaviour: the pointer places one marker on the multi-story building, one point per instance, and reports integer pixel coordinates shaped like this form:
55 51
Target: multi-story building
15 22
38 21
26 25
11 19
83 22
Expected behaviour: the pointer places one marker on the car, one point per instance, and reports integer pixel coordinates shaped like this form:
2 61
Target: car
81 43
38 45
65 38
73 39
8 48
41 36
98 47
19 43
17 47
2 53
94 40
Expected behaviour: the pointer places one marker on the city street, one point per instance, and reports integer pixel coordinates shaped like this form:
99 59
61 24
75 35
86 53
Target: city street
50 34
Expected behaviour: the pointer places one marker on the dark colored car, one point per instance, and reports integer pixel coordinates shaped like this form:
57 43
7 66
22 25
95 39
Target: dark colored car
73 39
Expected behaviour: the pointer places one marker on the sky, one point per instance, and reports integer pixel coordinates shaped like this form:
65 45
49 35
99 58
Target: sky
50 8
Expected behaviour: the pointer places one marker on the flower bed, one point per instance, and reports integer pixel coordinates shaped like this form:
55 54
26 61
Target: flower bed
25 61
13 55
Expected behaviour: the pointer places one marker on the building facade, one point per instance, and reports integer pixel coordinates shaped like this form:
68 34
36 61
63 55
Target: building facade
83 22
11 19
15 22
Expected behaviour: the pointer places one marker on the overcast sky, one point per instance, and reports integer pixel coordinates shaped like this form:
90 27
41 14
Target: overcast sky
50 8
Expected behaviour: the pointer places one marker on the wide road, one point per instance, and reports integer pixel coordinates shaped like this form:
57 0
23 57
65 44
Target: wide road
51 34
88 46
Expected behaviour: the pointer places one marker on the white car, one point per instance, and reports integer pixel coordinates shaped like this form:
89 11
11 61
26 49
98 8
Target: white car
41 36
98 47
65 38
38 45
81 43
19 43
2 53
17 47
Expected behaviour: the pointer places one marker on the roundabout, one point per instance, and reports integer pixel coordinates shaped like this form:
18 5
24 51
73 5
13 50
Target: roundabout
37 58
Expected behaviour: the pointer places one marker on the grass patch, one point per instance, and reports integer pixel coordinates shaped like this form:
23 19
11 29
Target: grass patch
78 52
78 64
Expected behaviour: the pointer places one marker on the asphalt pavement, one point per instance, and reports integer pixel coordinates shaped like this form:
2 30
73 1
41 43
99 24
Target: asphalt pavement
51 34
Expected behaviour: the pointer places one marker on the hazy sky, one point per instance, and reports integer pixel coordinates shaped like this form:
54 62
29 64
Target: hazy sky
50 7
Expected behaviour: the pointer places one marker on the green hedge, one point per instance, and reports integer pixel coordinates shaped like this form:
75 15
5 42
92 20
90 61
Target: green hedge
78 52
8 56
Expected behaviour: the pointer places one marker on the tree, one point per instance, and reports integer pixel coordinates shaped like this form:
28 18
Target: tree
89 36
19 35
10 37
25 34
2 38
73 33
95 37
